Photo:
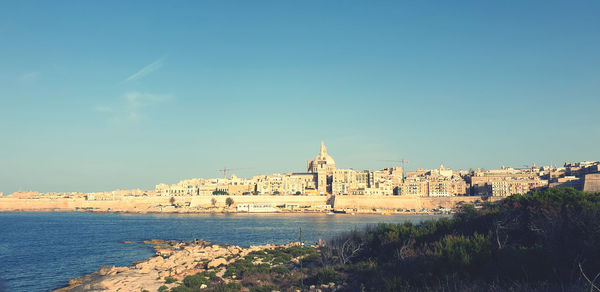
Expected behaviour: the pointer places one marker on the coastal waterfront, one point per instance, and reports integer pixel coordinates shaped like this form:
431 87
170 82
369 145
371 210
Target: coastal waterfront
42 251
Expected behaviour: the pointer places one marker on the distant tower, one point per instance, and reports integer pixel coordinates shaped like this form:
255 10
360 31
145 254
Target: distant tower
322 162
323 165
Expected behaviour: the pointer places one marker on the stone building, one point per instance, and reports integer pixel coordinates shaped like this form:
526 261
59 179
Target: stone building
324 166
441 182
348 181
279 184
591 183
505 182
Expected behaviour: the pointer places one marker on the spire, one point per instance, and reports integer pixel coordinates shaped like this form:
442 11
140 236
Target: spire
323 148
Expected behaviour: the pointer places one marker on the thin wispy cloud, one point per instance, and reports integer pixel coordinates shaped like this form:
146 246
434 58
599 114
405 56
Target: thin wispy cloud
139 99
152 67
132 105
30 76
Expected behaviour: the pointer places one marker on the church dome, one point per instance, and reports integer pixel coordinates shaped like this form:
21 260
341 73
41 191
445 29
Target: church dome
323 156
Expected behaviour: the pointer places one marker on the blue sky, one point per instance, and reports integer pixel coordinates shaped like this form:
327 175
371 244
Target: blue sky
100 95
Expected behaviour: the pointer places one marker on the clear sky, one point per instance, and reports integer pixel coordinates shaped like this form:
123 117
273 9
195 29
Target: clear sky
100 95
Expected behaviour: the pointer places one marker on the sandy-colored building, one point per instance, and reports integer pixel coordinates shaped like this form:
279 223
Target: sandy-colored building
441 182
505 182
344 181
324 166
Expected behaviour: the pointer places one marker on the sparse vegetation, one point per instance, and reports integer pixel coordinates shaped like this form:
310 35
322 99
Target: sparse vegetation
195 282
327 275
278 266
547 239
229 201
228 287
263 288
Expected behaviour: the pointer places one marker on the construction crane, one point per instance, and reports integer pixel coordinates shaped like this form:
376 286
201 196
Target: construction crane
400 161
225 170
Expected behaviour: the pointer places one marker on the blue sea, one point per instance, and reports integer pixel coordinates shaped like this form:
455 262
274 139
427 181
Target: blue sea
42 251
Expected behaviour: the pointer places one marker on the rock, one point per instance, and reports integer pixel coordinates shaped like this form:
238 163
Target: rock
155 241
324 286
104 270
117 270
145 270
217 262
203 286
127 242
331 284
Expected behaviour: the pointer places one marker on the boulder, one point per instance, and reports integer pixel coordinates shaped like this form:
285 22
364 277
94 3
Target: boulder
217 262
104 270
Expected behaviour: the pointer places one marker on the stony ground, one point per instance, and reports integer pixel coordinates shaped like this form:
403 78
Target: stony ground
174 260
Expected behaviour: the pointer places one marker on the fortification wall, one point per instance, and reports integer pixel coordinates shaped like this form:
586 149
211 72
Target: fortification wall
592 183
151 203
206 201
162 203
401 202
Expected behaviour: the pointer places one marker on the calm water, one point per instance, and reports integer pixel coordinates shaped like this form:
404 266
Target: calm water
42 251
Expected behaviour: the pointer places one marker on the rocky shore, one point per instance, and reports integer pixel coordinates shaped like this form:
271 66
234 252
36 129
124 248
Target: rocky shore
174 261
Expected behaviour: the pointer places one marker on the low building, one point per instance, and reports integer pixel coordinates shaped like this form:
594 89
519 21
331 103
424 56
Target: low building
256 208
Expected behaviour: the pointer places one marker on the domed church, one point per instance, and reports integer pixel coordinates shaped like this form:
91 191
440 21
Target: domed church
322 162
323 165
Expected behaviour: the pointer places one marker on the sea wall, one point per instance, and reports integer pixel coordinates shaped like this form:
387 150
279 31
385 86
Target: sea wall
401 202
150 203
206 201
203 203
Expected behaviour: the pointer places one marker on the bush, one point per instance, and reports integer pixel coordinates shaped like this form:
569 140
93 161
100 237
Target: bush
195 281
170 280
326 276
263 288
163 288
280 270
537 239
228 287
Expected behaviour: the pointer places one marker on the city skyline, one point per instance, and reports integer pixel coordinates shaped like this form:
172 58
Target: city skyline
124 95
321 173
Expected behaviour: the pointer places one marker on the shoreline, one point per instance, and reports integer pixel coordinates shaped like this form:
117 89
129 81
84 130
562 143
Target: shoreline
172 262
386 205
355 213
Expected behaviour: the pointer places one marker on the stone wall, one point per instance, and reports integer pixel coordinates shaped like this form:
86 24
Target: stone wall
401 202
150 203
206 201
592 183
162 203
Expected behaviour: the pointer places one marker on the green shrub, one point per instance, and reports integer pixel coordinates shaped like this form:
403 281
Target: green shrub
280 270
182 289
325 276
163 288
170 280
263 288
228 287
538 239
195 281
